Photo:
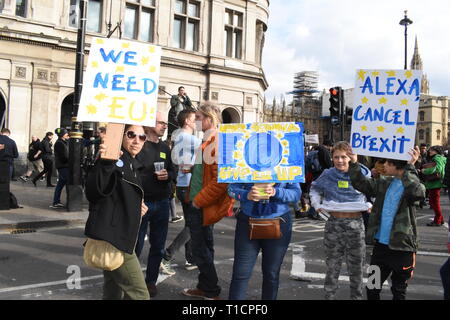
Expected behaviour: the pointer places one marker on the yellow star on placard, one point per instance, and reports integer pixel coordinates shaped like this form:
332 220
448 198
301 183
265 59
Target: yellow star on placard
380 129
241 164
375 73
364 100
401 130
152 69
391 73
125 45
285 143
382 100
284 161
100 41
280 135
361 74
240 144
151 49
120 69
94 64
408 74
363 128
144 60
404 102
247 135
91 109
237 155
100 97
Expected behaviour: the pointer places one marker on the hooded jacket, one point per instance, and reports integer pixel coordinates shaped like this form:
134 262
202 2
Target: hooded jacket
403 235
115 195
333 191
440 168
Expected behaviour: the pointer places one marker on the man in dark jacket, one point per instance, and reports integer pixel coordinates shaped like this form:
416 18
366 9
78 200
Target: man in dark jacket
62 165
178 102
156 183
115 197
47 158
9 152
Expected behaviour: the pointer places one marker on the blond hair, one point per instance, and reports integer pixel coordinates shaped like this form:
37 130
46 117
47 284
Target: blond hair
211 111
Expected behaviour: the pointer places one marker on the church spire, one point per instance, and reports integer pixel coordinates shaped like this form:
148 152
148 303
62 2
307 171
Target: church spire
416 64
416 61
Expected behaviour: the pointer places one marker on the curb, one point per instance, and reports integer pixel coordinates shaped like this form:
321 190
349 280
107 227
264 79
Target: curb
32 226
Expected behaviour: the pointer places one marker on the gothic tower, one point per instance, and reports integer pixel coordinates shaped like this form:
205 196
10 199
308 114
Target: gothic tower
417 64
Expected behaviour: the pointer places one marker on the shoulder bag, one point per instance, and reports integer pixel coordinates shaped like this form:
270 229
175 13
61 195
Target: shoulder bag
102 255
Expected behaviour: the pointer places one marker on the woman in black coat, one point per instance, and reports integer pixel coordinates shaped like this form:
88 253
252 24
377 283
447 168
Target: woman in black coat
116 206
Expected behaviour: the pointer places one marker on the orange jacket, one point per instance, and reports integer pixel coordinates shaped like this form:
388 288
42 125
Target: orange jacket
213 199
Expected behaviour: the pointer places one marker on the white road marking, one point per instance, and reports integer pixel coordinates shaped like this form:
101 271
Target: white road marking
161 278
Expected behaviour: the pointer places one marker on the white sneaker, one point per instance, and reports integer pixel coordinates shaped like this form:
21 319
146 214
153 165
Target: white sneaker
189 266
166 267
177 219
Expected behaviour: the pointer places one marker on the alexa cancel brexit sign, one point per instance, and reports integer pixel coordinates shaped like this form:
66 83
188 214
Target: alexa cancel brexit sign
386 103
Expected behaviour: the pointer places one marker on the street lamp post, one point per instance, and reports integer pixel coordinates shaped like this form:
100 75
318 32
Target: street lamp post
406 22
74 190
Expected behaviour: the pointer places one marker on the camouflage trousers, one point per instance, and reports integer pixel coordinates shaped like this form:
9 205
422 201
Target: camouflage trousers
344 239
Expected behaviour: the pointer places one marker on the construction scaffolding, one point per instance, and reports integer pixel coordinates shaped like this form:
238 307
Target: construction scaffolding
305 85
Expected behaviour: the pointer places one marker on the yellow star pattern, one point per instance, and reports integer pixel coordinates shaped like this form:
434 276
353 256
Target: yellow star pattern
285 143
363 128
279 135
91 109
361 74
404 102
391 73
375 73
401 130
100 41
240 144
247 135
237 155
382 100
120 69
380 129
125 45
286 152
94 64
100 97
144 60
241 164
152 69
151 49
284 161
408 74
364 100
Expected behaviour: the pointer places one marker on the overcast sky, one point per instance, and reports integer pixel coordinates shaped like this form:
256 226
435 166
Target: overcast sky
337 37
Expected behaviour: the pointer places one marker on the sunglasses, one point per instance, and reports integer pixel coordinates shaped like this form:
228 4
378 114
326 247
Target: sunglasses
132 135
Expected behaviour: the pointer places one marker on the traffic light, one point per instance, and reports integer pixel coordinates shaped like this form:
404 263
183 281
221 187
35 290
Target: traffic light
348 116
335 105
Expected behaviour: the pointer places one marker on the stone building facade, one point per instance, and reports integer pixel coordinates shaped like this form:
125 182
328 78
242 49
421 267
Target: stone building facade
211 47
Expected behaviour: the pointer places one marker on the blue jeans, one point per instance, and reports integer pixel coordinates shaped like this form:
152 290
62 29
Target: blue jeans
202 243
445 277
245 255
63 178
157 217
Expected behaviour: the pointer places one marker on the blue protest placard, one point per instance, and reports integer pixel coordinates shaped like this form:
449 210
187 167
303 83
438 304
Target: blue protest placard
385 108
261 153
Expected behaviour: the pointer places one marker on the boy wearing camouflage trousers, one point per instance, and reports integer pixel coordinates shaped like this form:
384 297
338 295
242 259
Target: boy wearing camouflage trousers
333 192
392 223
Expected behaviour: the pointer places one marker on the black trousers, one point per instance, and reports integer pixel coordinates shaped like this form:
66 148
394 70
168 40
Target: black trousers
398 263
48 168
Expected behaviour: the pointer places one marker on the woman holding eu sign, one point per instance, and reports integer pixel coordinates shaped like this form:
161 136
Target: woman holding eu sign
264 224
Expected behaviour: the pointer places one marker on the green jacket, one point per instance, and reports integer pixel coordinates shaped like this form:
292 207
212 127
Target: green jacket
440 167
404 229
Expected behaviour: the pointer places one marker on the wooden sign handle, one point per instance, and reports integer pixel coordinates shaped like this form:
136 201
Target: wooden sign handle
113 140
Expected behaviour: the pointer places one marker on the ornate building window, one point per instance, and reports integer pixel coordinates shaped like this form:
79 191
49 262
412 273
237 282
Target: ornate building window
186 25
422 116
140 20
21 8
233 33
421 134
94 15
438 134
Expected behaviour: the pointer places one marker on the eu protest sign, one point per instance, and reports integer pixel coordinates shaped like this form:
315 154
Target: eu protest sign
261 153
386 103
121 82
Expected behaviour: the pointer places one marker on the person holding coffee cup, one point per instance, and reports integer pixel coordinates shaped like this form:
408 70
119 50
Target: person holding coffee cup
263 207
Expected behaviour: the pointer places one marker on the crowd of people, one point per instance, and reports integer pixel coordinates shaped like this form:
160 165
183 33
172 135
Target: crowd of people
365 201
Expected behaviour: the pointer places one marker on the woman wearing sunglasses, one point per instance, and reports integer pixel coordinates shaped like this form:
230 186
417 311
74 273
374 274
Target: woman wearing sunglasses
116 206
